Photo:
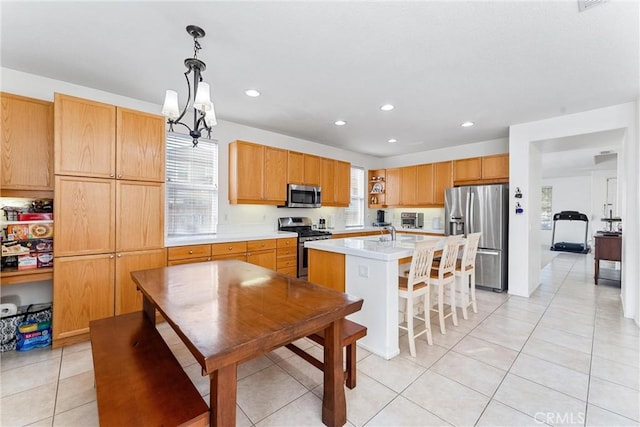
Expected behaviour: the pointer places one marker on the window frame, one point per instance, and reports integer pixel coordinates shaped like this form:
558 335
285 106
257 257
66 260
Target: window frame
358 198
191 176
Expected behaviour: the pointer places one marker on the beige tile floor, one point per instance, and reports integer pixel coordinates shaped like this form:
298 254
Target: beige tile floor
564 356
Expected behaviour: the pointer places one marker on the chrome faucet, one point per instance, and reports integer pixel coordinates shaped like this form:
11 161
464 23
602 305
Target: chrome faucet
392 230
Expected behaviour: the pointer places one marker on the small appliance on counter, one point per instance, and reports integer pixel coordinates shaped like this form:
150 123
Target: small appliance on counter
380 222
411 220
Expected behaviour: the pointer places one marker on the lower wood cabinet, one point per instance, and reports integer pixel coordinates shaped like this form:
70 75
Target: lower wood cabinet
287 256
83 290
89 287
330 277
259 252
128 297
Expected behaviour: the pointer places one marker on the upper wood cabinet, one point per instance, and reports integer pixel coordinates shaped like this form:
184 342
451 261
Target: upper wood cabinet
327 181
467 169
140 146
85 137
425 187
335 182
342 184
409 185
495 167
442 179
479 170
304 169
99 140
256 174
27 143
392 188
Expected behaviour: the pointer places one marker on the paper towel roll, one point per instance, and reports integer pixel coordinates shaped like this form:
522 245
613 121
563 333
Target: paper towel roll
8 309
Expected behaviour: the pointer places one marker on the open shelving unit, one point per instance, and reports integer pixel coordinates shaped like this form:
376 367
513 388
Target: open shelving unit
10 276
376 188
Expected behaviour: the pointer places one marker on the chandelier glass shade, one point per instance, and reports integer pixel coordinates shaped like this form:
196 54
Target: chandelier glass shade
204 116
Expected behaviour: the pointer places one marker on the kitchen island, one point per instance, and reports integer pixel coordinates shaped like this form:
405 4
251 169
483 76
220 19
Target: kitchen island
367 268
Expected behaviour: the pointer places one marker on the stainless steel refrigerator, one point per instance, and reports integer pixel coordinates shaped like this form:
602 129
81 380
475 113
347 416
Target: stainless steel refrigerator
482 208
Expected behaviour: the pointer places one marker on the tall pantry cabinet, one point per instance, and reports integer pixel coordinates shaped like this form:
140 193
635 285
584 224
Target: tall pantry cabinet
109 210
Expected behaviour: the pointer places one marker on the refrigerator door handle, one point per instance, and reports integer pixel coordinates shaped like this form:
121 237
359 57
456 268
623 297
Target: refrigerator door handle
488 252
472 213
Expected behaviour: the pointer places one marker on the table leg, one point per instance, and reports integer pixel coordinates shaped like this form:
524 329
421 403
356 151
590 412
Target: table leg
223 388
597 271
149 309
334 405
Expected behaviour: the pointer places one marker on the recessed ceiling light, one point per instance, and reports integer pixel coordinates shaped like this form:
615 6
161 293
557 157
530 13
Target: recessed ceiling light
392 141
252 93
339 123
467 124
387 107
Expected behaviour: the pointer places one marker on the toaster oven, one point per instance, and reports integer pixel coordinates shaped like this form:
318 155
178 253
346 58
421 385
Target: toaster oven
412 220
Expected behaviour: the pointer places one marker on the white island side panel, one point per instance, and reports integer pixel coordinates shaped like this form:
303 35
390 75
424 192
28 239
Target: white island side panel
376 282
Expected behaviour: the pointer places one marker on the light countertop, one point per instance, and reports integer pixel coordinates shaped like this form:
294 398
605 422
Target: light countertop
372 228
226 238
371 247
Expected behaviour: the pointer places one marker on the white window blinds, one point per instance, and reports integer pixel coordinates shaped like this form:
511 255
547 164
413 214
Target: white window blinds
191 186
354 214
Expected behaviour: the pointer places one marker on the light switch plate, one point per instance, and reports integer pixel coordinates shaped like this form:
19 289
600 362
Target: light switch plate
363 271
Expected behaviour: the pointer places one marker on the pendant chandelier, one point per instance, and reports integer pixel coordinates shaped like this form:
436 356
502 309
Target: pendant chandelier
204 115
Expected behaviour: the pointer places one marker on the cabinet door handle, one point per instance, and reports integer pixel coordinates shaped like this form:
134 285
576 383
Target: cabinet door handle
112 175
190 252
119 255
230 248
119 176
110 256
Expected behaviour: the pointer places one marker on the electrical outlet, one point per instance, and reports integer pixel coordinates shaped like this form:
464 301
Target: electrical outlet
363 271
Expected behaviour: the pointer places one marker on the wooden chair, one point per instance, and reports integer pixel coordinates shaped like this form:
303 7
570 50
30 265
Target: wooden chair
465 273
444 275
416 285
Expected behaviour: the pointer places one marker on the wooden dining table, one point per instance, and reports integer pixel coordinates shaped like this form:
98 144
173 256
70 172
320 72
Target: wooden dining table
227 312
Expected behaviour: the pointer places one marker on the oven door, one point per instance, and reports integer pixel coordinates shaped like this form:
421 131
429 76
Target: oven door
303 260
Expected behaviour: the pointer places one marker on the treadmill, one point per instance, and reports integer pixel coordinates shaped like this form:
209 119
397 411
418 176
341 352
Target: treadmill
581 248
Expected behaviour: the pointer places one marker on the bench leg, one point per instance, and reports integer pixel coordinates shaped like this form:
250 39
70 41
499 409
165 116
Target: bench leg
351 365
223 387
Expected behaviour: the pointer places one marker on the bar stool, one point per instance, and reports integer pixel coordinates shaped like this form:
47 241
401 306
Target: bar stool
444 275
415 286
465 273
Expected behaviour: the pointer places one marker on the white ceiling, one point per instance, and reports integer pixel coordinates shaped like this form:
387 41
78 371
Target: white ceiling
440 63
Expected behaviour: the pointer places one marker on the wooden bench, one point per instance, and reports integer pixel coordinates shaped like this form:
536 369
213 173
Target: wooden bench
351 332
138 380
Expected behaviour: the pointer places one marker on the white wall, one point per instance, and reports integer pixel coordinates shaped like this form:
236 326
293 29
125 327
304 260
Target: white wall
525 262
569 194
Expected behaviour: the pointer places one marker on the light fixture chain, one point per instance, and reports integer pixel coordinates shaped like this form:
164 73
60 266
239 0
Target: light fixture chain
196 47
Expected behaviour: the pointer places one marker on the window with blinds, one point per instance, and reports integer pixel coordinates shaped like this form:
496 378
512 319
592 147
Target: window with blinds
354 214
191 186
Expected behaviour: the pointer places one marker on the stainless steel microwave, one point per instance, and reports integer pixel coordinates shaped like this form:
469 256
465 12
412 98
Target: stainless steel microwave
303 196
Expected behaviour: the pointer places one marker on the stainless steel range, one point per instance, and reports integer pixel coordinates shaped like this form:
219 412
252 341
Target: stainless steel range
302 226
